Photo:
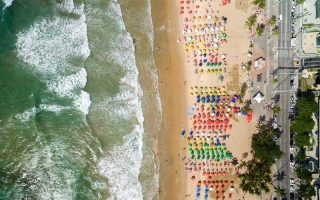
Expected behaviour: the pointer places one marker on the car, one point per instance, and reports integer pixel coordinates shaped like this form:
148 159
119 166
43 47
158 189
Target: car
280 17
291 98
292 188
291 156
292 150
291 181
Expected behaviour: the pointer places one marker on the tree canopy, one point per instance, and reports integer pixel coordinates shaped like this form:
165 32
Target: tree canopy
251 21
273 20
256 178
302 124
307 191
260 29
303 139
260 3
304 174
263 145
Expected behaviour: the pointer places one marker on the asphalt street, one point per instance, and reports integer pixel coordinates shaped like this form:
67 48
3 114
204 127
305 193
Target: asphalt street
285 62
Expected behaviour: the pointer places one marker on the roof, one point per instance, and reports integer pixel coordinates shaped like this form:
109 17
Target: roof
259 97
317 4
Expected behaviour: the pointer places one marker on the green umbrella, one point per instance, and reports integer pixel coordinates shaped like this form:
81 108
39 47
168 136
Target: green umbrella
208 64
228 155
192 157
224 151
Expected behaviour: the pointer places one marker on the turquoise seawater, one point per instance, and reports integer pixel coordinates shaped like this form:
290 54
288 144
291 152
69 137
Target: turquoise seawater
71 111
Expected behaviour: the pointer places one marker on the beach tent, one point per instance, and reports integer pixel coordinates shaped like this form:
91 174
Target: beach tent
259 97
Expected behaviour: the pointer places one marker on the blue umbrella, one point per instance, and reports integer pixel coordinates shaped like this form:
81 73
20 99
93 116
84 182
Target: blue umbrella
191 133
183 132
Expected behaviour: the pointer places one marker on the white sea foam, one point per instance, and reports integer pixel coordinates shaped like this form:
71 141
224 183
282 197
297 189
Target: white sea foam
26 115
7 3
122 168
122 164
82 102
49 45
53 107
65 85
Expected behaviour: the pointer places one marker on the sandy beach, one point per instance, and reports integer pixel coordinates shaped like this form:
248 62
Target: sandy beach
181 76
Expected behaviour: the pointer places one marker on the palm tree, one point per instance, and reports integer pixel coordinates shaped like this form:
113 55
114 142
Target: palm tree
276 31
260 29
273 20
280 191
300 1
251 21
276 109
260 3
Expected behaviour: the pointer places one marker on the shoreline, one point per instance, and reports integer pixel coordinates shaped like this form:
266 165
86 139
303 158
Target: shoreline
172 92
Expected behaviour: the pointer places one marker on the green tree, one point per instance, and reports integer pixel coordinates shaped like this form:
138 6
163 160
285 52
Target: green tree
304 174
303 139
275 80
301 155
251 21
276 109
307 106
302 124
273 20
306 191
280 191
263 145
257 177
260 3
243 89
275 31
260 29
300 1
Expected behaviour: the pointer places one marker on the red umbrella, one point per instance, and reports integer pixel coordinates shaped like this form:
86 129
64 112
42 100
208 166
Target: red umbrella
190 12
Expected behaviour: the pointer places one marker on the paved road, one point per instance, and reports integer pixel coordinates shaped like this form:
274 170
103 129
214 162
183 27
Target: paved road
284 54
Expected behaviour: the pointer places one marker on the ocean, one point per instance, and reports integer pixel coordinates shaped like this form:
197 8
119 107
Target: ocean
79 104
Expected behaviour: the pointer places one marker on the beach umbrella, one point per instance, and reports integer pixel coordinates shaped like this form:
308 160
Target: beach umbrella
228 155
183 132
